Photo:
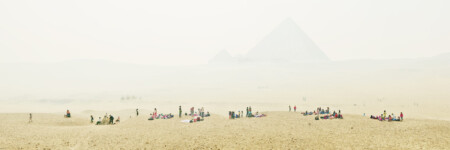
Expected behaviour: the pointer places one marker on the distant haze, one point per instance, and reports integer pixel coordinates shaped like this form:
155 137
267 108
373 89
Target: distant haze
355 56
193 32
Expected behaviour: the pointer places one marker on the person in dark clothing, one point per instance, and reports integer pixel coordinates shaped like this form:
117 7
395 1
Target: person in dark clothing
179 111
137 112
111 119
246 112
92 119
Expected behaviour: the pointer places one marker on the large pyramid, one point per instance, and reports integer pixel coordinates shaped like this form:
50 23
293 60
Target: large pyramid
287 42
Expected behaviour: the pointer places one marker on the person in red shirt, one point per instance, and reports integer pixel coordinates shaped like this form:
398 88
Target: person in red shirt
401 116
295 108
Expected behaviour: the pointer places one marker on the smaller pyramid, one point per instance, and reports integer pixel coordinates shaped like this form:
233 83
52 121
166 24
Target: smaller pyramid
222 57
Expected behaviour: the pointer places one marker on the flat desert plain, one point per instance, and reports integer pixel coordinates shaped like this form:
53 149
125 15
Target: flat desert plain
279 130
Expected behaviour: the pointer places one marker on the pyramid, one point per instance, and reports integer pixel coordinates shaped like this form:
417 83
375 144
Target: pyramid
222 57
287 42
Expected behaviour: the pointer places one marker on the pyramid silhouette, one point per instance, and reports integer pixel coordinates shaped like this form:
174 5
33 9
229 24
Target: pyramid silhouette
287 42
222 57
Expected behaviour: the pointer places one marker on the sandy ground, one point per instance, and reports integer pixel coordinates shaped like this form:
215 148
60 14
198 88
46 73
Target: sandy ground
279 130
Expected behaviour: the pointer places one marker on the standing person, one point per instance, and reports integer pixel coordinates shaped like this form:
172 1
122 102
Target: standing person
179 111
401 116
384 113
295 108
155 113
111 119
289 108
250 111
246 112
92 119
137 112
31 118
203 112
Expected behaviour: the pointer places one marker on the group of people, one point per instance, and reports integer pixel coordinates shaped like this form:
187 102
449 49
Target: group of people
233 115
197 116
240 114
385 117
161 116
319 111
325 112
295 108
249 112
155 115
193 113
334 115
107 120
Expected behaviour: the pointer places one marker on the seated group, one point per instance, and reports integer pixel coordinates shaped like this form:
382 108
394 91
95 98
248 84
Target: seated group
332 116
319 111
383 118
161 116
240 114
107 120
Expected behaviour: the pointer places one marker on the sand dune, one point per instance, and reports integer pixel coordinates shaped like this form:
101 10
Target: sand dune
279 130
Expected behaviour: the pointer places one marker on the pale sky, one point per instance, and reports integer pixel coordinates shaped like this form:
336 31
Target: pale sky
192 32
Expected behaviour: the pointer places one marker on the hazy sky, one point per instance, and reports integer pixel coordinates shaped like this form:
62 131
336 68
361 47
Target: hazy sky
192 32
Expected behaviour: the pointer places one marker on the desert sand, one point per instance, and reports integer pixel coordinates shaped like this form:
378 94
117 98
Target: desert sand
279 130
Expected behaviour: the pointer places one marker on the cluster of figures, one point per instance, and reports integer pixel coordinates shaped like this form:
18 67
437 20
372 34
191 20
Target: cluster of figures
161 116
295 108
233 115
240 114
325 112
197 116
318 111
332 116
107 120
200 112
384 117
155 115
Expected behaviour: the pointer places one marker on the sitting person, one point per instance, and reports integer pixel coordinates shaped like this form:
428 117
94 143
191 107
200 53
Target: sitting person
68 114
118 119
99 122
